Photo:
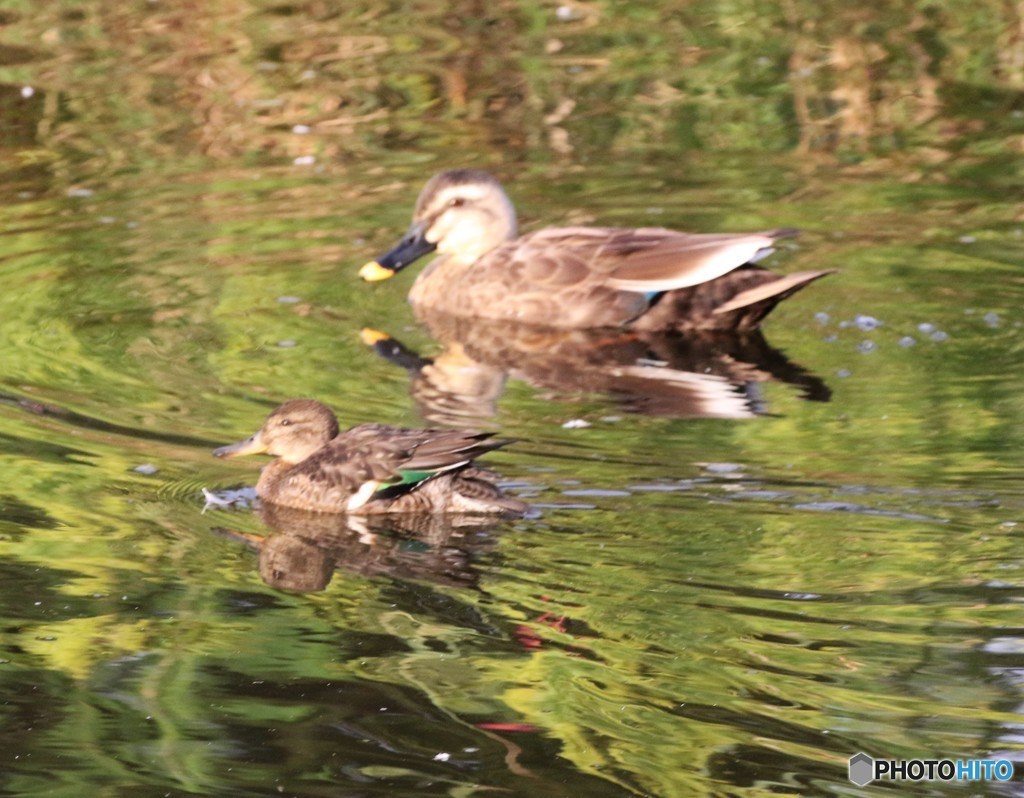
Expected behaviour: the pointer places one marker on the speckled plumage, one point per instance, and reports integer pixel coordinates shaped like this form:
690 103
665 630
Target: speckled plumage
579 277
371 468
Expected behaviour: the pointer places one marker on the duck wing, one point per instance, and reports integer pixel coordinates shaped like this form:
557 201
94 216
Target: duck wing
371 458
655 259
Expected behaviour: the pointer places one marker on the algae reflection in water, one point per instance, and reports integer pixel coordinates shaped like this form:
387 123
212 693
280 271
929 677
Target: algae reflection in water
700 606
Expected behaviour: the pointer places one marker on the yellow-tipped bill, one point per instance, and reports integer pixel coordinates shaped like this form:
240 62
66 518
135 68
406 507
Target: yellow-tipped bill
370 336
373 271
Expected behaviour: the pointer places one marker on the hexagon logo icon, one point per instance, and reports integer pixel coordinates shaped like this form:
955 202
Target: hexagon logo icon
862 769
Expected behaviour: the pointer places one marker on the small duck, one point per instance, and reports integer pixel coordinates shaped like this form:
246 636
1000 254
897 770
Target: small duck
371 468
648 278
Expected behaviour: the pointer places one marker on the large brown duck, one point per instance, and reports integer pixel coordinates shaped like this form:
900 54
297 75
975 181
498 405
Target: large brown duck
371 468
648 278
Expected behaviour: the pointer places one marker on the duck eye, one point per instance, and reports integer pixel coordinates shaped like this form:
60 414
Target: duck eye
456 202
285 422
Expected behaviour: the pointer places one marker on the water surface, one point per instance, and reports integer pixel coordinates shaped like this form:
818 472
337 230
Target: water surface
727 605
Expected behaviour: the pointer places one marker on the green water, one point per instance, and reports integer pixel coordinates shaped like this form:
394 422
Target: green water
730 605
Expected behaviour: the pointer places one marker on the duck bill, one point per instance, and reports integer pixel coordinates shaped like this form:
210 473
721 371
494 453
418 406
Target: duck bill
253 445
413 245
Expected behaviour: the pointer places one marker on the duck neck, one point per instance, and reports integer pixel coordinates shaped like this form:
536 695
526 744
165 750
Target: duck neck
270 476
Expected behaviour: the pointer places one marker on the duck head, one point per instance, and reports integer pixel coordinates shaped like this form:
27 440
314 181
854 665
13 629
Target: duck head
293 432
462 213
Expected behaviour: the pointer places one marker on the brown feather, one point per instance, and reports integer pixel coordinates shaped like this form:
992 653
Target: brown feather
681 253
778 289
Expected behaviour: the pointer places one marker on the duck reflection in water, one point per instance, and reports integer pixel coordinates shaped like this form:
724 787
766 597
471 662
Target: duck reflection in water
695 375
304 549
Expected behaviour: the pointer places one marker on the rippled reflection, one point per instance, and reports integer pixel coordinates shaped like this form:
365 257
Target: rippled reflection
303 549
703 607
697 375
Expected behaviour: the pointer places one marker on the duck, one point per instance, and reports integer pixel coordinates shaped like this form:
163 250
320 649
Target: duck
646 279
371 468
